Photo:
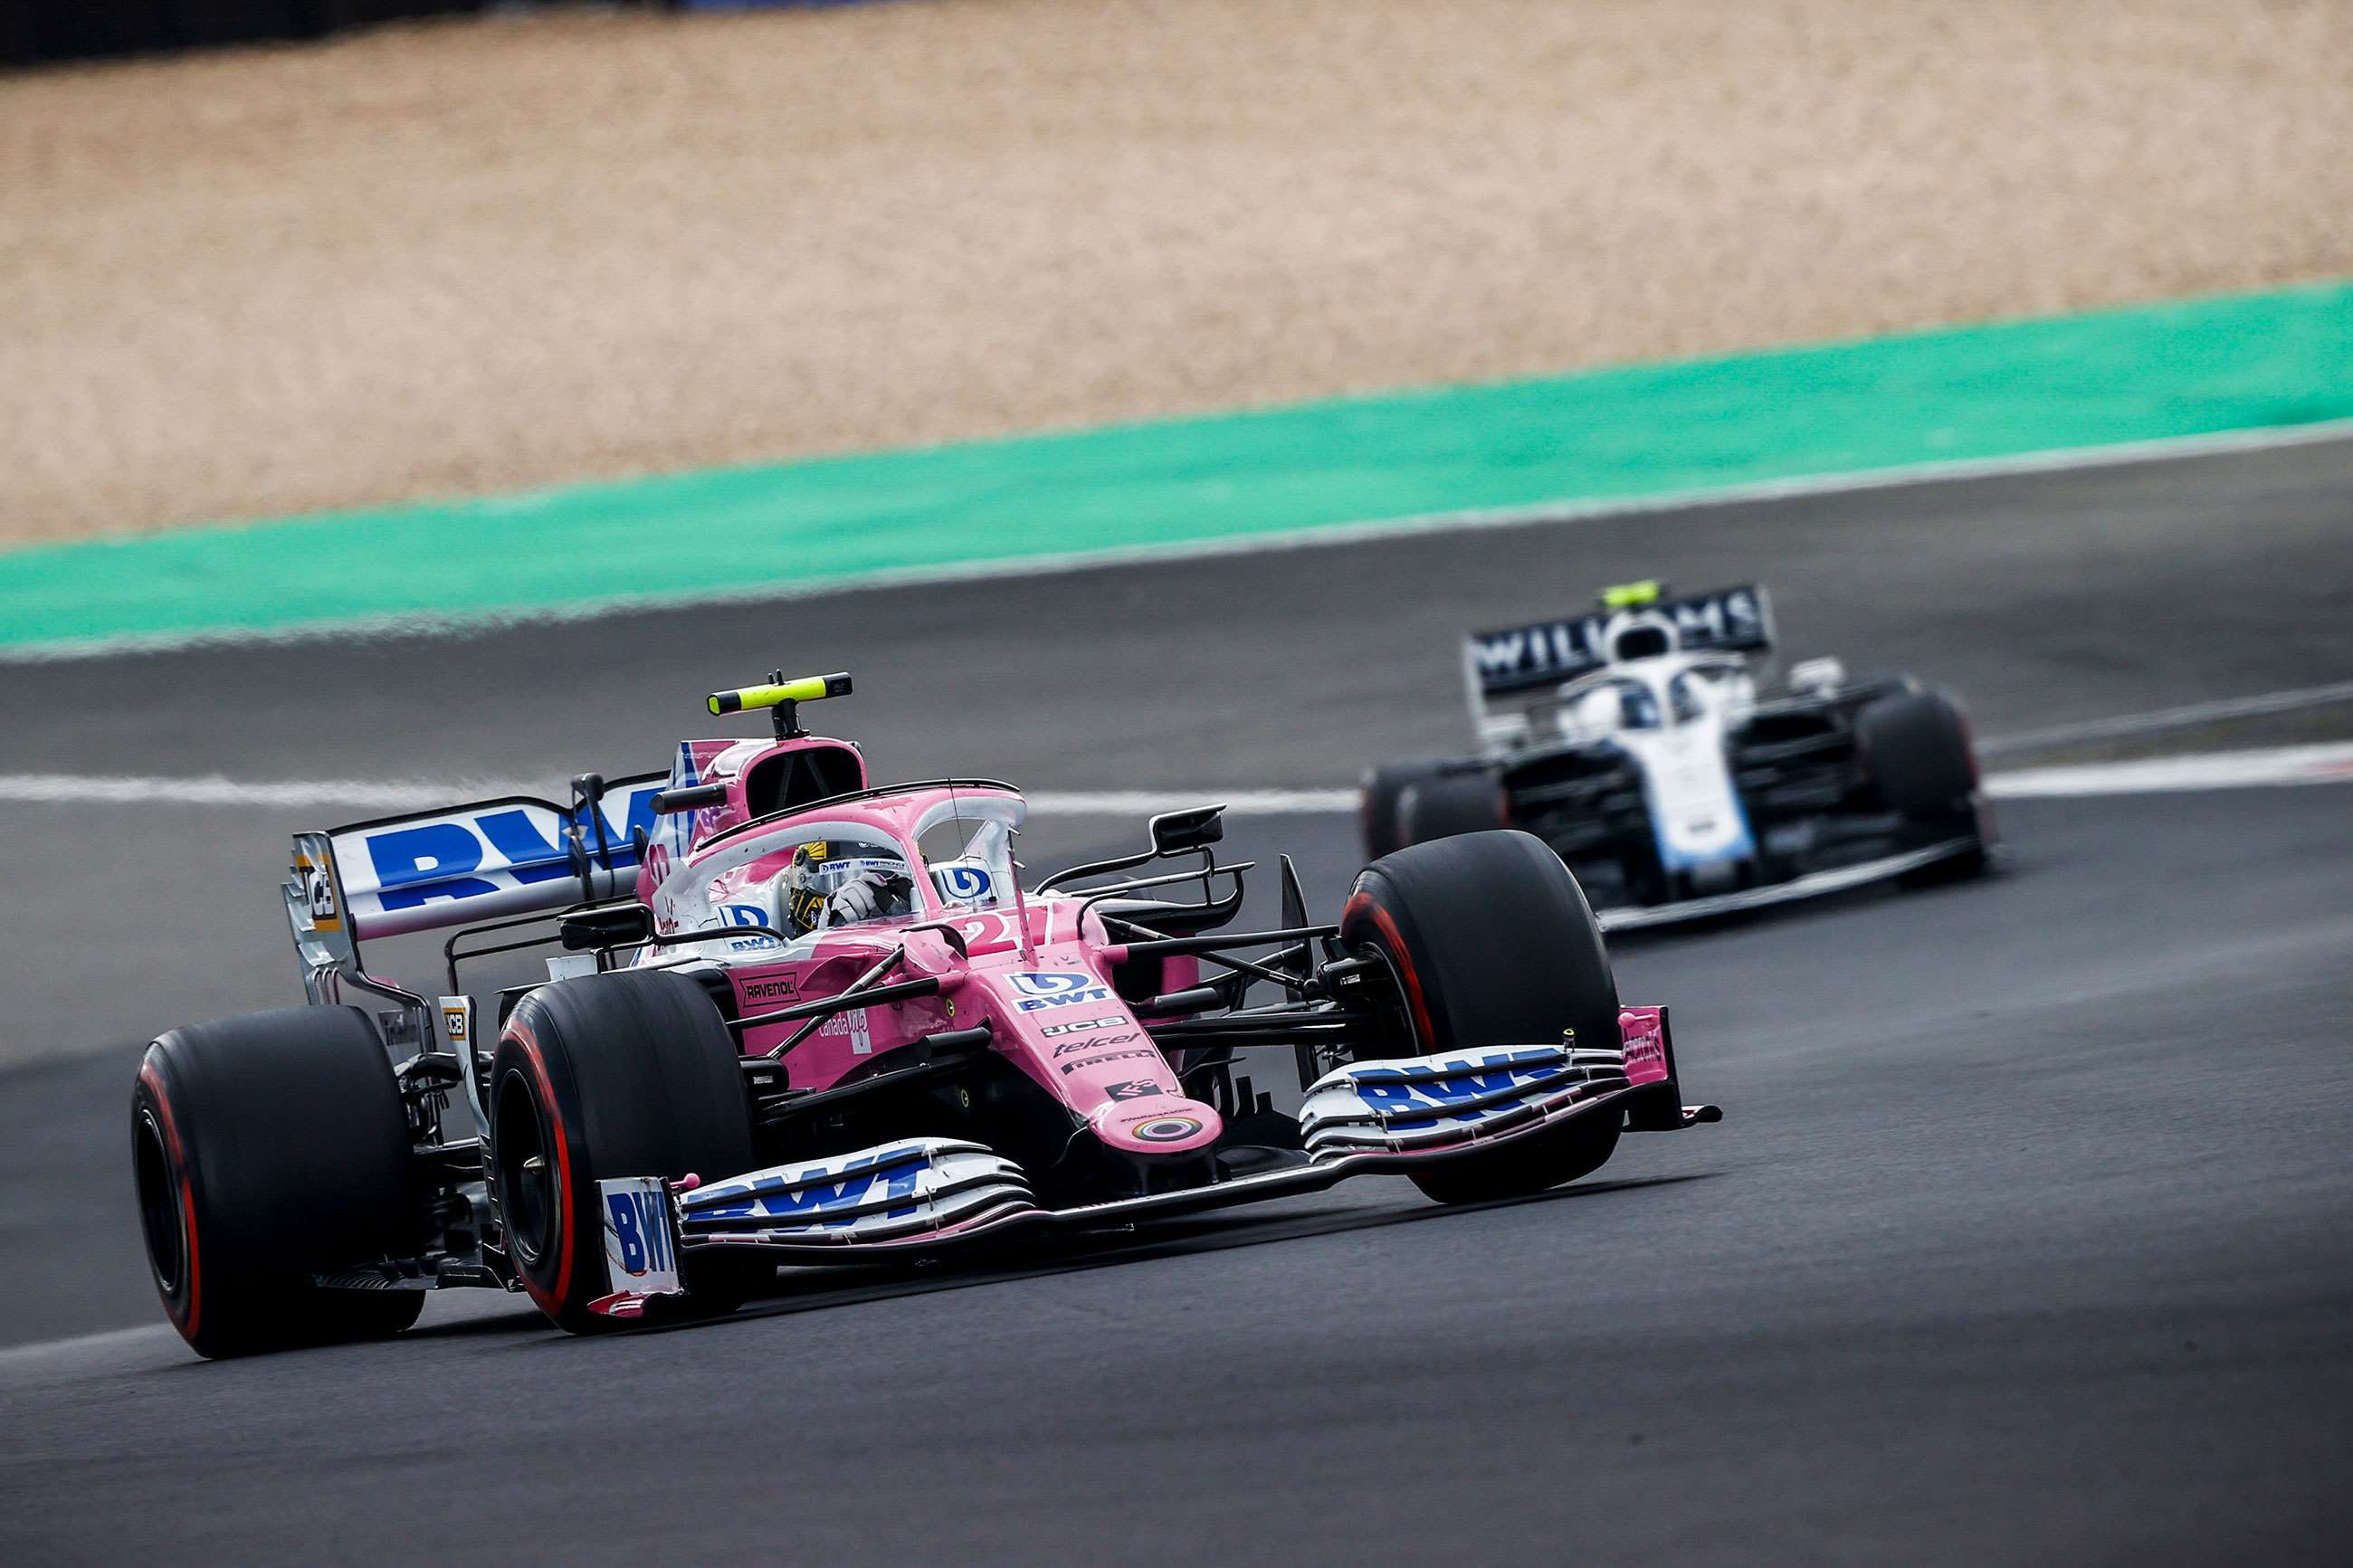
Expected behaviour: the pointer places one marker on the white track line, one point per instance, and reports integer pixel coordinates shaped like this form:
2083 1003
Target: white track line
417 795
2214 770
1144 803
213 789
2218 770
426 623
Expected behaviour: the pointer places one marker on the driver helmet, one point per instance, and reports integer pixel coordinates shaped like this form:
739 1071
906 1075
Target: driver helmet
831 882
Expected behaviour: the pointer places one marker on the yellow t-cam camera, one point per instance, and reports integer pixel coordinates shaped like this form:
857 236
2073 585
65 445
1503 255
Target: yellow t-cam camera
807 688
783 697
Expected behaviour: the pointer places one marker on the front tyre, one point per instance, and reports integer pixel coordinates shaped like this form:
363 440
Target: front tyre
1490 942
1452 805
1380 797
1915 750
628 1074
266 1149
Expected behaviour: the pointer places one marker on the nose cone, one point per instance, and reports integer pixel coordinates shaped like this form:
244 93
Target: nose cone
1156 1124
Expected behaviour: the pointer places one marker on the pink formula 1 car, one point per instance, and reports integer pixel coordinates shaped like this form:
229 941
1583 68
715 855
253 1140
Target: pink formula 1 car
800 1018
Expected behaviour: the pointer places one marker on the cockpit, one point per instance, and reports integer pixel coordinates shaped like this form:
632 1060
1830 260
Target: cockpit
827 872
825 883
1615 701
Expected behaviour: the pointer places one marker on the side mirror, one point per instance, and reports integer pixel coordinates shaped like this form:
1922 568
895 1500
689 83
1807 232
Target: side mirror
1822 675
1197 827
693 797
612 925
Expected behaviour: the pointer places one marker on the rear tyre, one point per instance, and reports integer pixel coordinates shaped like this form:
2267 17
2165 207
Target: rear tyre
1452 805
631 1074
1492 943
1380 794
266 1149
1916 751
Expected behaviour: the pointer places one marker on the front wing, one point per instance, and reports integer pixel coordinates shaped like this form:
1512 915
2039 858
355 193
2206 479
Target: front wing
926 1195
1812 885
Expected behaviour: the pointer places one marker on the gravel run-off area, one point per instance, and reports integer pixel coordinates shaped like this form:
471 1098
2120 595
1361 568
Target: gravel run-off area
480 255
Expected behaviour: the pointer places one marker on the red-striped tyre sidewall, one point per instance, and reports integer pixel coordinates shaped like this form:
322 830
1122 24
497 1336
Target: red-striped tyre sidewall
267 1149
555 1279
151 1116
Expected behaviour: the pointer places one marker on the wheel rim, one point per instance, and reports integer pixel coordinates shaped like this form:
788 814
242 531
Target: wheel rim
530 1187
160 1216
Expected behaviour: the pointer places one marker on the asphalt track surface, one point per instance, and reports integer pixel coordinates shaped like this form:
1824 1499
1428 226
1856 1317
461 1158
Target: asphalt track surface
2026 1238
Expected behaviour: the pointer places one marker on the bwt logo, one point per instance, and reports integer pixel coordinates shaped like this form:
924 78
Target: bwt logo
1463 1082
642 1229
851 1187
445 859
1058 990
1051 984
961 883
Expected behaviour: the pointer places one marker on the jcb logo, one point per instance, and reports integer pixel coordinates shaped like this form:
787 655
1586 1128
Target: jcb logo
1082 1024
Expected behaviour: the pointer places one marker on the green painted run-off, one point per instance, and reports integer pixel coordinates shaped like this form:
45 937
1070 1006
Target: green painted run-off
1976 393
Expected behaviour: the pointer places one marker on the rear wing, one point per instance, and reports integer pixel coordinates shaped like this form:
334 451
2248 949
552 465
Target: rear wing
1523 662
455 864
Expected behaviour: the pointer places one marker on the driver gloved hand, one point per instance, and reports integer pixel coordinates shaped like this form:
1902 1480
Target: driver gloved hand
857 899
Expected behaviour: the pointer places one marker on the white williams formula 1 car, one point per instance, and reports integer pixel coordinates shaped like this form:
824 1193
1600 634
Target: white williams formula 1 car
1644 743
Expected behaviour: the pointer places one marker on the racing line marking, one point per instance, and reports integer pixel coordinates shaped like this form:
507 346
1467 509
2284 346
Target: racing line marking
2162 718
395 795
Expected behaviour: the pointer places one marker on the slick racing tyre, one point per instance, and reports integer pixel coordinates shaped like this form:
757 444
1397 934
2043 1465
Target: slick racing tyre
1380 794
266 1149
629 1074
1449 805
1492 943
1916 751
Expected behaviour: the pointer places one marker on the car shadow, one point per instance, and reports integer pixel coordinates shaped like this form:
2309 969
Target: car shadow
820 1288
1818 909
